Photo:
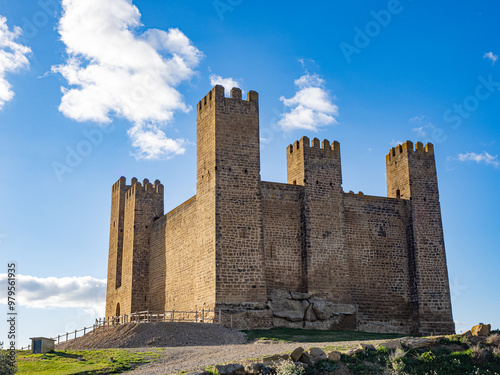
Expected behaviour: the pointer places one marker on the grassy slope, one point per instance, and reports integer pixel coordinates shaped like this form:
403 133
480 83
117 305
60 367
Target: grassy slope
110 361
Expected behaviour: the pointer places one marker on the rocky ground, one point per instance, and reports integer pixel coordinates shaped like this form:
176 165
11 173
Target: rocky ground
176 360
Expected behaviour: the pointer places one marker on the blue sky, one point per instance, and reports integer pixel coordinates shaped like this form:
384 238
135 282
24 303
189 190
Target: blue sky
103 89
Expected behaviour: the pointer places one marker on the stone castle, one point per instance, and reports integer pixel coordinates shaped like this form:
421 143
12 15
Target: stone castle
303 254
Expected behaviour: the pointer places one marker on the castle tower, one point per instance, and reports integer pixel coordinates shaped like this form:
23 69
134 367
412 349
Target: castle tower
133 209
325 259
229 198
411 175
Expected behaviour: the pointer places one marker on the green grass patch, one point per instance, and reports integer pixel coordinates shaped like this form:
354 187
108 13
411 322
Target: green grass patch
109 361
309 335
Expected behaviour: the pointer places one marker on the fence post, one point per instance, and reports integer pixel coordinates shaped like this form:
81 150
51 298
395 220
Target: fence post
203 315
220 317
196 317
58 338
84 331
75 333
231 321
67 335
173 318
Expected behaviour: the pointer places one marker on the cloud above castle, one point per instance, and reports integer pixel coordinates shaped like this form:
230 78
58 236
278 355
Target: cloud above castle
312 106
112 70
86 292
13 57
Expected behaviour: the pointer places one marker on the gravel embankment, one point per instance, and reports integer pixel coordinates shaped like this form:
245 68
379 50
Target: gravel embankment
139 335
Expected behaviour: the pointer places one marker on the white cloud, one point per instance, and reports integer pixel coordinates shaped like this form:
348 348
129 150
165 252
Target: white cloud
113 70
70 292
228 83
483 157
491 56
13 56
420 131
311 107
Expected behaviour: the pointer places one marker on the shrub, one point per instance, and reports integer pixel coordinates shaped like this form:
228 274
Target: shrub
427 357
7 363
493 340
289 368
480 355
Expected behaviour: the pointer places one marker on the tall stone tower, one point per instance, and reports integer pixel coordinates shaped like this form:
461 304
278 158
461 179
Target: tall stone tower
133 210
318 168
411 175
228 194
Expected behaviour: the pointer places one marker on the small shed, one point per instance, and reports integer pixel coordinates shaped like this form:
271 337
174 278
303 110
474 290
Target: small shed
42 345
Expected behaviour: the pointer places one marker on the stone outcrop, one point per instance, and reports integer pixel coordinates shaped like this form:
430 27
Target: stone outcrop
481 330
303 310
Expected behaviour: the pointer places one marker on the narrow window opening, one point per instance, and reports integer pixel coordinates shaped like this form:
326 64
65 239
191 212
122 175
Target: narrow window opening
118 309
295 182
398 194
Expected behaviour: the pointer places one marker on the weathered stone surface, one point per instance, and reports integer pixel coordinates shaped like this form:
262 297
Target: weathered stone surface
322 308
254 368
391 345
467 334
310 316
300 296
250 319
323 325
317 354
343 309
289 309
307 358
295 355
282 322
416 343
269 360
334 356
481 330
277 294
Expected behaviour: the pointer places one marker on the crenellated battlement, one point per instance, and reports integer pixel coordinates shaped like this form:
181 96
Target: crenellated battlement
315 147
136 187
407 148
218 94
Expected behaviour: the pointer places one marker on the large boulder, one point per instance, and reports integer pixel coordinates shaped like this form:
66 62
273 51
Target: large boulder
334 356
291 310
278 294
295 355
300 296
231 369
310 314
391 345
481 330
323 309
313 356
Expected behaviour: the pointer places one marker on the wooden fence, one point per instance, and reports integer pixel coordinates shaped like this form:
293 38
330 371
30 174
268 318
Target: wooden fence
203 316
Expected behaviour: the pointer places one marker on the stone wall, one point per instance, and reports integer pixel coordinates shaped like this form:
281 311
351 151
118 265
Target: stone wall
378 262
281 209
174 260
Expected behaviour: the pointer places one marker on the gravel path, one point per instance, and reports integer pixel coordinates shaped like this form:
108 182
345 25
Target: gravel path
174 360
